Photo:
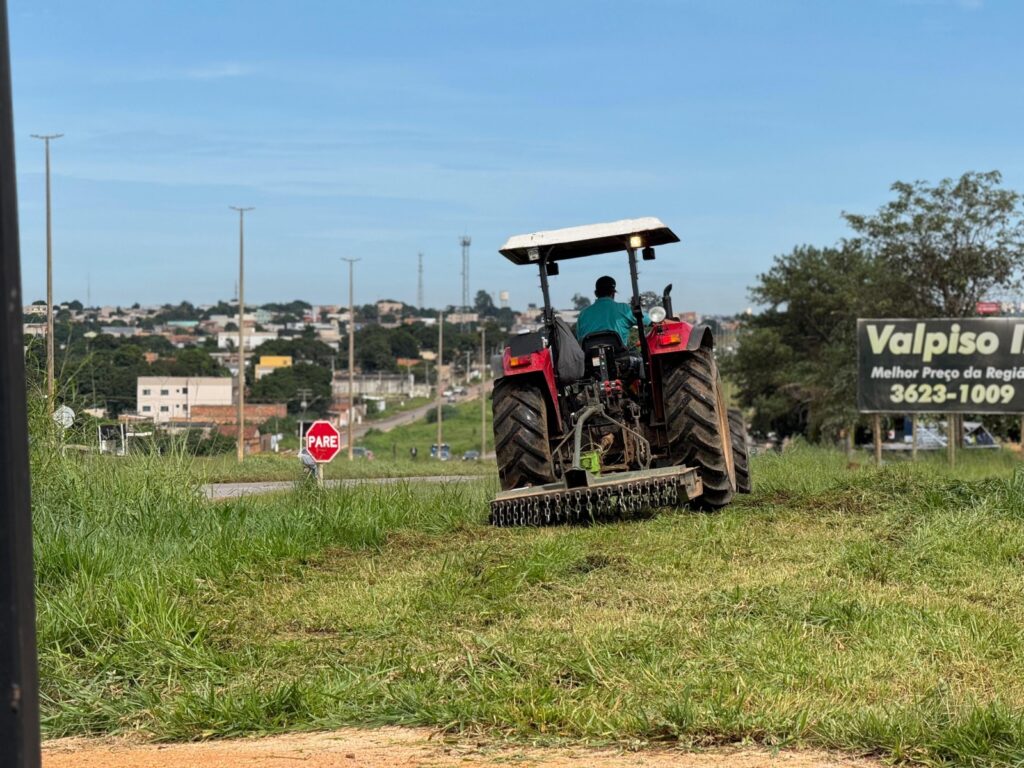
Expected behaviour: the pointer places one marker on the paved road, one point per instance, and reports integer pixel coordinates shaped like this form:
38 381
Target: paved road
216 491
408 417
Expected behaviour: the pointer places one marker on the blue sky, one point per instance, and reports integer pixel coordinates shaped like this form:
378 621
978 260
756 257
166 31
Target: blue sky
378 130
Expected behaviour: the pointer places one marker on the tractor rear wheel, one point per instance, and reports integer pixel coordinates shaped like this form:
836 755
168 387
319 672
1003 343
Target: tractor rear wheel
740 450
698 424
521 434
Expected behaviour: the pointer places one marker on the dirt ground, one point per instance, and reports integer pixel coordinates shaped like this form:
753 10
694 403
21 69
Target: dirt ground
409 748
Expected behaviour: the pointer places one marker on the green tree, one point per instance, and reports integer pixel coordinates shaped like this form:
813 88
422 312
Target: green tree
484 304
284 384
580 302
953 243
796 360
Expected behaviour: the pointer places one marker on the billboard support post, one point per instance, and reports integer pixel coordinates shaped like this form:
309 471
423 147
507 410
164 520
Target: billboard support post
913 437
951 429
876 429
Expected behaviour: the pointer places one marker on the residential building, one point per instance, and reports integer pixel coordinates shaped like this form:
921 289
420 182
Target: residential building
172 398
120 330
460 318
385 384
229 339
270 363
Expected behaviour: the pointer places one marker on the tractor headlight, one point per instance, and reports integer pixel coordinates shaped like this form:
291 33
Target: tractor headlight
657 314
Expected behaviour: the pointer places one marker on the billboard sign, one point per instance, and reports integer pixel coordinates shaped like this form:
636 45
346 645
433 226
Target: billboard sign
964 365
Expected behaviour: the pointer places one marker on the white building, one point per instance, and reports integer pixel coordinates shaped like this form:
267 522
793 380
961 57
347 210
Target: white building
229 339
378 384
163 398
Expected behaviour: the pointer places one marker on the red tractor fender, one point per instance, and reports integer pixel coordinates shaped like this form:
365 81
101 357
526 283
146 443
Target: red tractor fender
677 336
668 338
538 365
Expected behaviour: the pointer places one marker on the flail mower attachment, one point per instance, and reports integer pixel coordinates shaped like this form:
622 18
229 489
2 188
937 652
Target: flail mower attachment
582 497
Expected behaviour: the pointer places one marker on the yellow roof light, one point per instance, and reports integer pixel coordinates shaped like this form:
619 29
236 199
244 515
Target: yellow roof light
636 241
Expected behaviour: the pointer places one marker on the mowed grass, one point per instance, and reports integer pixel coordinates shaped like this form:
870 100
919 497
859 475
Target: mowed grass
878 611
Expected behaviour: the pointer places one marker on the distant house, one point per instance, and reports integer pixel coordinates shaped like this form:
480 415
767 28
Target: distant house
386 306
458 318
172 398
229 339
122 331
270 363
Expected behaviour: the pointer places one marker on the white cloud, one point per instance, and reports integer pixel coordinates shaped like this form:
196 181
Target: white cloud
202 72
218 71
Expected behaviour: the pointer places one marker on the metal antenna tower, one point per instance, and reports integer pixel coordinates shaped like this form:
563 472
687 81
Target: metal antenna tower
419 285
465 242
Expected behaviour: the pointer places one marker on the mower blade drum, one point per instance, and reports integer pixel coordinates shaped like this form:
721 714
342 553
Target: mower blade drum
611 497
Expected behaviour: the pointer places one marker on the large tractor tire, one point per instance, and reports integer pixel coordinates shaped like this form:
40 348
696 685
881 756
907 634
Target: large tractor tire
521 434
698 424
740 450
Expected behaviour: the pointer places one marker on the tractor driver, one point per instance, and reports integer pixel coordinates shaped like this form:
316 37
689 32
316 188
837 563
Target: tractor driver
606 314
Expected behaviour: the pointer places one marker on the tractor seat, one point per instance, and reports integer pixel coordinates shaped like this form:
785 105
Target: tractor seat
601 350
606 357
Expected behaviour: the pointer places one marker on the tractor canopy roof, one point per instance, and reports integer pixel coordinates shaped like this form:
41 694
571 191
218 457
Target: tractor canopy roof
589 240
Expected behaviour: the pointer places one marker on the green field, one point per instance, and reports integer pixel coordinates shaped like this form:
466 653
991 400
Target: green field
877 611
460 428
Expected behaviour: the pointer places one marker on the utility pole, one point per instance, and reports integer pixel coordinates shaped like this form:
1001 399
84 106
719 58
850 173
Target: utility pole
50 389
440 362
483 392
19 681
351 357
465 241
419 285
241 331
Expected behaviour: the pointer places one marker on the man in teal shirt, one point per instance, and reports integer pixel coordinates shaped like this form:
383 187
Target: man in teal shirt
606 314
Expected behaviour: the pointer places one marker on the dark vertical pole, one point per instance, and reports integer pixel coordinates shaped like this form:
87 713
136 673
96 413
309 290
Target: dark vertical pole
19 685
951 427
638 311
876 427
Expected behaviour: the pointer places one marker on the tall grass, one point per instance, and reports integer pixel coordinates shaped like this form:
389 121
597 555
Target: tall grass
132 562
880 611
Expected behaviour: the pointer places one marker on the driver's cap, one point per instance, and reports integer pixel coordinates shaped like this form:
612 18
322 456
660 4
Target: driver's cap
605 286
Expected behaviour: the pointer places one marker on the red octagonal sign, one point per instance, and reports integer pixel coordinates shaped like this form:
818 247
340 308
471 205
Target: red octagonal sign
323 441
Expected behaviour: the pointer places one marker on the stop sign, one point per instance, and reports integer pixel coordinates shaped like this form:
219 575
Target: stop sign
323 441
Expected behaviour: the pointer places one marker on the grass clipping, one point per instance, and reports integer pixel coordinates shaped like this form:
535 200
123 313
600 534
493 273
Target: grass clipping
879 611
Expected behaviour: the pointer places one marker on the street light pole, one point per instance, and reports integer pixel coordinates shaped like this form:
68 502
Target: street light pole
351 356
50 389
240 443
440 363
483 392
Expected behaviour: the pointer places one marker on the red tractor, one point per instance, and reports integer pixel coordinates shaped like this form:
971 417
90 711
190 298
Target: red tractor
594 429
